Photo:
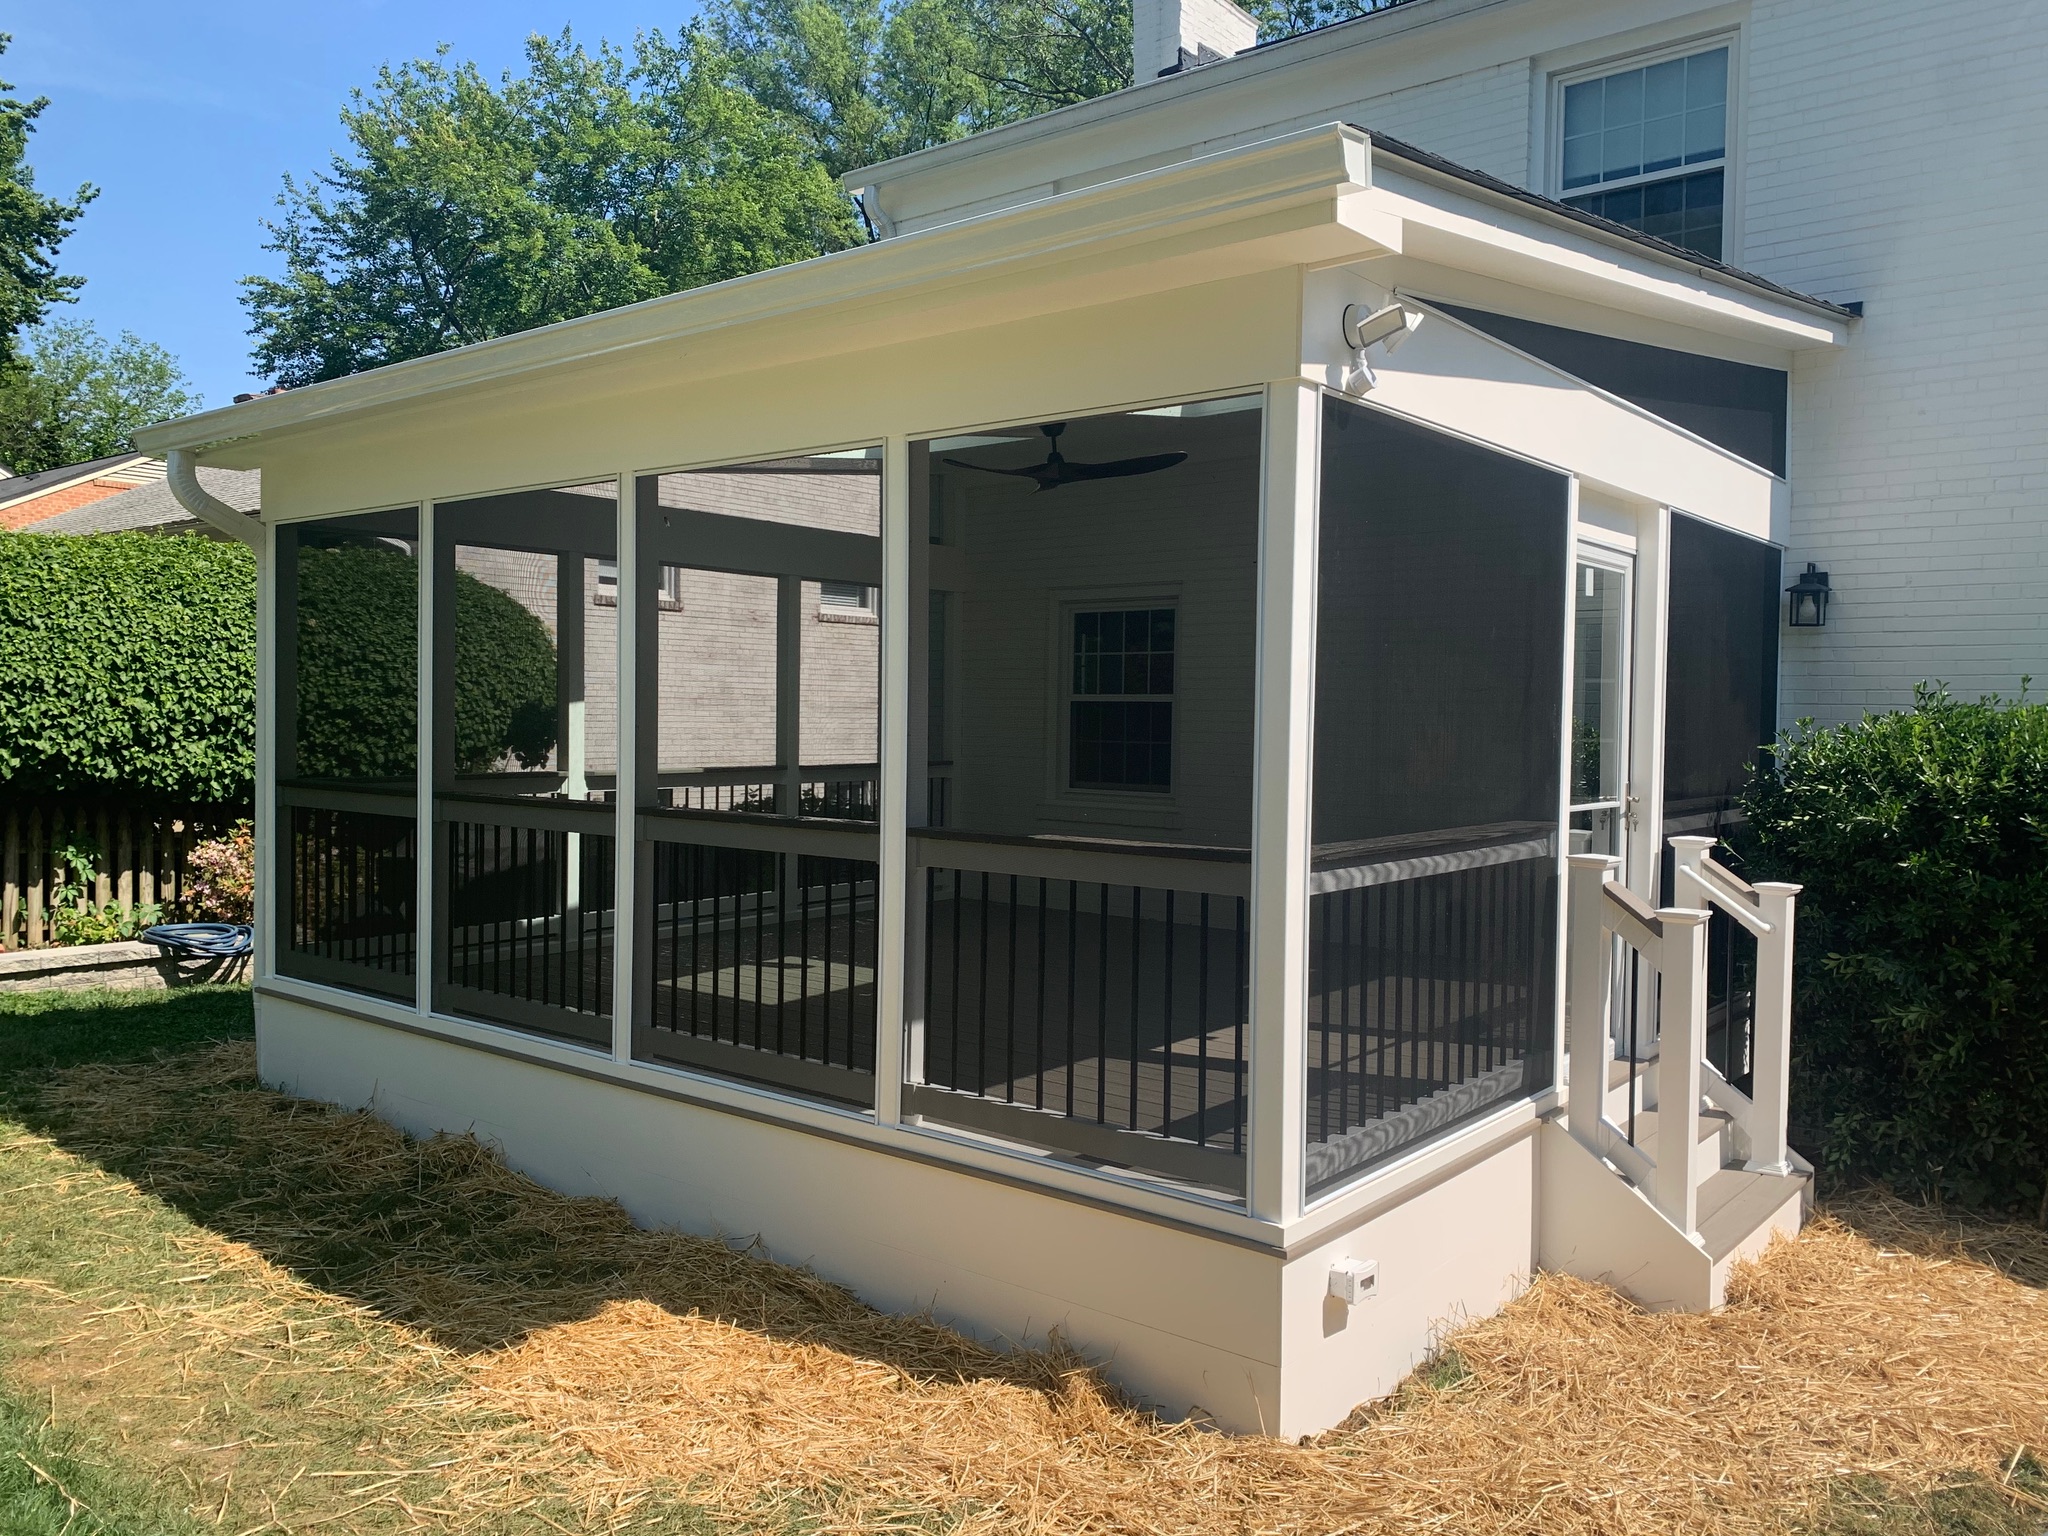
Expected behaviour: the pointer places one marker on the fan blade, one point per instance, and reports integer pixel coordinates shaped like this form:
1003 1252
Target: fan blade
1116 468
1031 472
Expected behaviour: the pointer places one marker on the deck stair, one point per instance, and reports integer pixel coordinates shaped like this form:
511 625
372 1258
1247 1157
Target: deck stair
1667 1224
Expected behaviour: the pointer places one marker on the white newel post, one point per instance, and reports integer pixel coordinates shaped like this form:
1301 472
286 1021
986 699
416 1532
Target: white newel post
1682 1028
1588 992
1772 1061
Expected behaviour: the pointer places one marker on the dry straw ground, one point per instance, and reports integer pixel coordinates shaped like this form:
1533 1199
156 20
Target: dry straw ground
407 1335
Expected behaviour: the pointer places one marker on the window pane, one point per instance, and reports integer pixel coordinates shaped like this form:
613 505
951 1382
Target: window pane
348 691
1583 107
1664 89
1621 151
1663 143
1705 134
1079 911
1439 711
1600 614
1706 79
351 675
525 712
1624 101
758 765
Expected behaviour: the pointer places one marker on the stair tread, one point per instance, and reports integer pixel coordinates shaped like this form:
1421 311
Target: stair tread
1735 1202
1712 1122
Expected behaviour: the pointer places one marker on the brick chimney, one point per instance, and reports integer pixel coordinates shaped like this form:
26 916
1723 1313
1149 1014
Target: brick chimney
1168 36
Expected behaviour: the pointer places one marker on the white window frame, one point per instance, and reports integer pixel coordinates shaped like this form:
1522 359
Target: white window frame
1065 791
1642 58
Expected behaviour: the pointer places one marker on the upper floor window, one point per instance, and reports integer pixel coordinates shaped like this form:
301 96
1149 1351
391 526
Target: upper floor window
1648 147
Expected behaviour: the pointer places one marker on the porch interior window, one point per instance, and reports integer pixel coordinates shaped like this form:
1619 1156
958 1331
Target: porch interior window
1433 911
1082 666
759 720
525 720
1648 147
1120 716
347 750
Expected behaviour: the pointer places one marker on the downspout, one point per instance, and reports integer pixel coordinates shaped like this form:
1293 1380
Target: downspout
182 475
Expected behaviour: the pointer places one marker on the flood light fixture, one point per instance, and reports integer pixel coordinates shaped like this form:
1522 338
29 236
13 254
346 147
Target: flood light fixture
1386 328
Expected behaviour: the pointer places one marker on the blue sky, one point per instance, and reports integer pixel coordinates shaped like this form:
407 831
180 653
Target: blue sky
188 116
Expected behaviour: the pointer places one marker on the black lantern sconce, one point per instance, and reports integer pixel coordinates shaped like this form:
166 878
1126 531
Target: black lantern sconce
1810 595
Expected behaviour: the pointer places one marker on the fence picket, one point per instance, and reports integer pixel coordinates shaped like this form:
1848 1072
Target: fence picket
140 859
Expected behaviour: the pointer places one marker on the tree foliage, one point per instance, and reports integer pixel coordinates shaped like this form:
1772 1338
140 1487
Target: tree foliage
73 395
127 663
465 211
1921 1007
32 225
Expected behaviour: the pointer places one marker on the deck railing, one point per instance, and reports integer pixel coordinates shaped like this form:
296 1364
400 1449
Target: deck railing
1429 995
1623 953
1086 998
349 891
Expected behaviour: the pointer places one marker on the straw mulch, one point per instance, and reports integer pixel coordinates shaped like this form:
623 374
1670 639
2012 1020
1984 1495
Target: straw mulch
1886 1343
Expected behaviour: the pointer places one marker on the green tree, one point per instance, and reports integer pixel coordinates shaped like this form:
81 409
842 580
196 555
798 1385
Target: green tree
73 395
32 225
465 211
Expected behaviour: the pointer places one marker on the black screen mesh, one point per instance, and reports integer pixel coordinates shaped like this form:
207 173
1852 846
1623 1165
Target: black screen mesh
1721 668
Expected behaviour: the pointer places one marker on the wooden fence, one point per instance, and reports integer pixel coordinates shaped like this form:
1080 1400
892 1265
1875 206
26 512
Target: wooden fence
138 856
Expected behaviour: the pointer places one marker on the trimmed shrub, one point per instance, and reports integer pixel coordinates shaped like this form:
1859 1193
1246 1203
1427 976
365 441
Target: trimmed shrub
358 643
1921 1009
127 662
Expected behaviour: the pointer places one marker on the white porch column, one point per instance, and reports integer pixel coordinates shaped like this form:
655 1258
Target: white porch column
426 913
1280 789
626 796
272 841
1644 805
893 780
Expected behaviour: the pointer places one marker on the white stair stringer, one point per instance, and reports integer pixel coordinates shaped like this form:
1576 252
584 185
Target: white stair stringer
1593 1222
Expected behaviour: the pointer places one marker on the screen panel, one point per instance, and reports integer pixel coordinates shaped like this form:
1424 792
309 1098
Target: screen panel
1441 628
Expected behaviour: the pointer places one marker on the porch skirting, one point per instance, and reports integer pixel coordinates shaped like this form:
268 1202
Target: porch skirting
1186 1321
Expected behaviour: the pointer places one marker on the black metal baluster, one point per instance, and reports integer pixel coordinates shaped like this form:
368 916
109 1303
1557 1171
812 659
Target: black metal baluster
785 865
803 1007
1242 987
1137 912
1073 946
1010 1010
1102 1008
982 1084
1202 1029
953 1023
1322 1097
1167 1035
1038 1060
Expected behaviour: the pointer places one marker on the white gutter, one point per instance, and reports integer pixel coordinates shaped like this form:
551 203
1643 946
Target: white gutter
181 473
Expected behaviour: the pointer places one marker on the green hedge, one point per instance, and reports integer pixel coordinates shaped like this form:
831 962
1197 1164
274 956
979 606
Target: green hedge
127 664
1921 1014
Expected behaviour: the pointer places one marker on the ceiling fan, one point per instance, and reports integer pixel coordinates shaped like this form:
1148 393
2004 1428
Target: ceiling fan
1058 470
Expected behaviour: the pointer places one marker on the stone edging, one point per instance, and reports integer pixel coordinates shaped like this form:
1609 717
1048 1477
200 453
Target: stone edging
127 965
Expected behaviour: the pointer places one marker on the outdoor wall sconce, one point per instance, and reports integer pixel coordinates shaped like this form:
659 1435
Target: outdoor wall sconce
1386 328
1810 595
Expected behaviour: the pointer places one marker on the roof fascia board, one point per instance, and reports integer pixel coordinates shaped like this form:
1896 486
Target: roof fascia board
1523 244
1301 180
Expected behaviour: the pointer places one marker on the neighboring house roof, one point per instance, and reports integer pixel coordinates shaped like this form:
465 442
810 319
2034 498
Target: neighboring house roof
26 499
154 509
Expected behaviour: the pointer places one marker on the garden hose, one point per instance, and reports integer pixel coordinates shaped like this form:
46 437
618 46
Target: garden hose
220 941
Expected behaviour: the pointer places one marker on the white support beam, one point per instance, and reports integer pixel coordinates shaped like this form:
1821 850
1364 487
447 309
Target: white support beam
1280 788
626 854
893 790
426 940
272 841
